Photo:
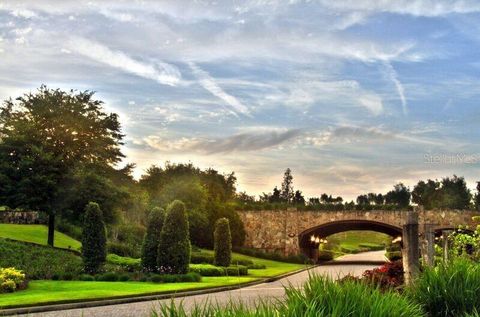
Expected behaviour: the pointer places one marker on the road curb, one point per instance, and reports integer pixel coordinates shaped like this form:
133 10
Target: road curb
140 298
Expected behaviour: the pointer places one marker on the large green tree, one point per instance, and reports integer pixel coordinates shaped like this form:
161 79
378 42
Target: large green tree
44 136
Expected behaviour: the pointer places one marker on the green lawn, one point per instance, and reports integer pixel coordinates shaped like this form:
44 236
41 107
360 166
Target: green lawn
37 234
354 241
46 292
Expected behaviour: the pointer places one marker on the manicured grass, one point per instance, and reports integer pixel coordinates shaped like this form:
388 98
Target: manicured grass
356 241
45 292
37 234
273 268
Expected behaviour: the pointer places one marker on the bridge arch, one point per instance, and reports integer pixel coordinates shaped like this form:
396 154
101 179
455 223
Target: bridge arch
327 229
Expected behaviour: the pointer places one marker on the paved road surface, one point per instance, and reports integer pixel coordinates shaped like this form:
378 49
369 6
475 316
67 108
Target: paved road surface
265 291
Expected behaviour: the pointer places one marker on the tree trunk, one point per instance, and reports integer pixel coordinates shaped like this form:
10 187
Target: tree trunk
51 229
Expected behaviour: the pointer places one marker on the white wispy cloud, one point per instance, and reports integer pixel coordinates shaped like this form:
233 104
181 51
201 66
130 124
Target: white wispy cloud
161 72
393 76
429 8
209 83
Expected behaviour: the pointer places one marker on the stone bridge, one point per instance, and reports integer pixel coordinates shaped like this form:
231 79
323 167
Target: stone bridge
289 231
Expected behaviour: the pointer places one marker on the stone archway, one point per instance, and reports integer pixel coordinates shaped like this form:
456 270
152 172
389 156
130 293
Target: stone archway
326 229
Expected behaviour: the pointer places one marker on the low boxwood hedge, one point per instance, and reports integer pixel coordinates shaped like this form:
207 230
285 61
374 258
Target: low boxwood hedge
212 270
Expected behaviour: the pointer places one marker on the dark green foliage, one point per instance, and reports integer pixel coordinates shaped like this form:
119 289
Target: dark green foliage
107 277
176 278
200 258
448 290
236 270
299 259
399 196
38 262
86 277
152 239
449 193
94 239
325 255
122 249
174 246
124 277
222 243
211 270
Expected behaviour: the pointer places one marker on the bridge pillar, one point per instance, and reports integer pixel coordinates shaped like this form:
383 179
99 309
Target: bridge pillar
445 235
411 251
429 245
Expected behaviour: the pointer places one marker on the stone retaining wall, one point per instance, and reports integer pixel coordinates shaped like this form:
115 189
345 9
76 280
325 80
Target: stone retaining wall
20 217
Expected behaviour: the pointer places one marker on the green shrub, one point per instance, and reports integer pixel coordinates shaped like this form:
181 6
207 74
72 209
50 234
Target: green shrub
152 239
121 249
127 264
175 278
448 290
107 277
86 277
67 276
236 270
124 277
394 255
222 243
174 245
299 258
207 270
256 266
94 239
37 261
325 255
199 258
212 270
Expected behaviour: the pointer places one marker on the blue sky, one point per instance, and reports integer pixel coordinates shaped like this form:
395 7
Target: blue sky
353 96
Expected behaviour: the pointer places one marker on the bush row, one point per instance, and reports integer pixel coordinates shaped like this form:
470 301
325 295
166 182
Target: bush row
203 258
211 270
299 259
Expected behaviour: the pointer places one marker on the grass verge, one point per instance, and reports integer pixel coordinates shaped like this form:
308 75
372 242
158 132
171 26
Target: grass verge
55 292
37 234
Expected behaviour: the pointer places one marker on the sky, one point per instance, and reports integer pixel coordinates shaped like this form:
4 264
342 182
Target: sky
353 96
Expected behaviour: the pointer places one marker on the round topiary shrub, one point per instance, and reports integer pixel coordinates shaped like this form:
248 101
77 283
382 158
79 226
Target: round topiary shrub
152 239
222 243
93 239
174 246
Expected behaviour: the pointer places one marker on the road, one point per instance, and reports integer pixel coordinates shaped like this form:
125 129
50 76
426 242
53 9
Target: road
248 295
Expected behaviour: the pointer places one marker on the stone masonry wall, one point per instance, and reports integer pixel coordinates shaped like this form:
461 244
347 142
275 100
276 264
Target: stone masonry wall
279 230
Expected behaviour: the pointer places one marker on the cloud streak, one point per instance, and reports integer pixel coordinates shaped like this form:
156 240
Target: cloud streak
207 82
243 142
163 73
393 76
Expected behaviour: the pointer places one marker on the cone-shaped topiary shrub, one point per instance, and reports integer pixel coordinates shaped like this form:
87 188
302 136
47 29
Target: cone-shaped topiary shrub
174 246
151 240
222 242
94 239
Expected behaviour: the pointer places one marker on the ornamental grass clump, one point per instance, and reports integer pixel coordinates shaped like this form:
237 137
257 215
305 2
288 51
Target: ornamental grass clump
320 297
451 289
